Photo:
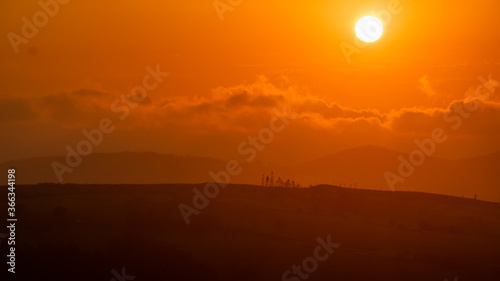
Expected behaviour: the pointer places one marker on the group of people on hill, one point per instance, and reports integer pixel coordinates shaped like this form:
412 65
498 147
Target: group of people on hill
269 181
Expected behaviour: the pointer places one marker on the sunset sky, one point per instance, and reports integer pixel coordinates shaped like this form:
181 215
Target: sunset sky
226 77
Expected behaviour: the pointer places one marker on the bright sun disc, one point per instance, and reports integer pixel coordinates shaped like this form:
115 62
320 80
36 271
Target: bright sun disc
369 29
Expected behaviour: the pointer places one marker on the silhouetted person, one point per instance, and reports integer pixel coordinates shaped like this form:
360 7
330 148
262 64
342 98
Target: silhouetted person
267 181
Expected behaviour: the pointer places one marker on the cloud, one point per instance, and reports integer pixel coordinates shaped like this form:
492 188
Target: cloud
219 121
88 93
246 107
426 86
15 109
76 108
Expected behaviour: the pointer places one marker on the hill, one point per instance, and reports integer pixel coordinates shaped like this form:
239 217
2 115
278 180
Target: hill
253 233
363 167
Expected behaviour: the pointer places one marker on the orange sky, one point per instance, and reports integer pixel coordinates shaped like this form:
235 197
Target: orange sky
227 76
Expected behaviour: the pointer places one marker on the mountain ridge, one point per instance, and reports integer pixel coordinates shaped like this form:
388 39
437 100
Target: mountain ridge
362 167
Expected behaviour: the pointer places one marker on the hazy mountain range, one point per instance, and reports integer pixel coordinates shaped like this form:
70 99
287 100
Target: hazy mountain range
362 167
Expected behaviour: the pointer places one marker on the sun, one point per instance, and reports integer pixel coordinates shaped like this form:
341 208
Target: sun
369 29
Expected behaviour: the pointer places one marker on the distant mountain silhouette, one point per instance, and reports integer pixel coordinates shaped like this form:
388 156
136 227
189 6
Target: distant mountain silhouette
362 167
114 168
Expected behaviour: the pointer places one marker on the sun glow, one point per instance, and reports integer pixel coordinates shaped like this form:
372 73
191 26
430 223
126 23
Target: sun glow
369 29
